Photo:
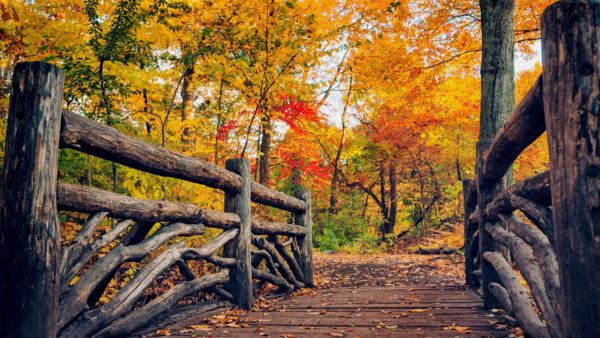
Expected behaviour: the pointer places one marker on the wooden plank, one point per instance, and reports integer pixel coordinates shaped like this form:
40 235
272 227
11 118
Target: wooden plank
331 311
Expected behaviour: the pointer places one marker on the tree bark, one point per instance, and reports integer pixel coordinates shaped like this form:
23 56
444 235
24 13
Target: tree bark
29 227
264 176
187 98
497 103
571 49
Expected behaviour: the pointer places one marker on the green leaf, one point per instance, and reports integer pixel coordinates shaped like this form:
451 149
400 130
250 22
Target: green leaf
289 4
49 58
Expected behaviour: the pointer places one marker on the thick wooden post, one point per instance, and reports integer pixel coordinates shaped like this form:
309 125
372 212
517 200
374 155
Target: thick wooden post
571 73
486 191
29 228
305 243
469 231
240 283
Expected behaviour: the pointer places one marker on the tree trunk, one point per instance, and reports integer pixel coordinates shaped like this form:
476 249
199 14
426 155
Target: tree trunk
497 103
336 162
265 150
29 227
187 97
393 200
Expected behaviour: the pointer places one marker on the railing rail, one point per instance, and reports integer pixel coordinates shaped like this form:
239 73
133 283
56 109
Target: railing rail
70 280
557 251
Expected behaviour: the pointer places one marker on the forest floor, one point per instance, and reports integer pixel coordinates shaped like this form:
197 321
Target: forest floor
401 295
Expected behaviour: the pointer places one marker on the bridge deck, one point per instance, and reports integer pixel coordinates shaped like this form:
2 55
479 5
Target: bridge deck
387 297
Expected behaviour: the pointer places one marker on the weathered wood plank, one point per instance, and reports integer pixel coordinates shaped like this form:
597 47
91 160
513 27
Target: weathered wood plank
29 227
345 313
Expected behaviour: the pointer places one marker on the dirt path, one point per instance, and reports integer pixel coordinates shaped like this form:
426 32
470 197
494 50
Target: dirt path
365 296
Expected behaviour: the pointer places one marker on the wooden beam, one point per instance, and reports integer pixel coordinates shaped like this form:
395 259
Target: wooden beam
94 138
571 49
522 128
240 278
29 227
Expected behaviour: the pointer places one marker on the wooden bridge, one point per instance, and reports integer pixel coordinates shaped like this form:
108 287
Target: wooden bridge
48 290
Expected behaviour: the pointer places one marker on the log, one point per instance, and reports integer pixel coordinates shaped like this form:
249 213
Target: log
74 301
91 200
283 269
543 252
87 252
29 227
522 128
528 267
537 213
535 188
221 293
444 250
94 320
305 243
469 230
521 305
181 317
260 227
571 46
263 254
72 252
137 234
145 315
470 194
502 295
94 138
240 279
273 279
486 192
289 259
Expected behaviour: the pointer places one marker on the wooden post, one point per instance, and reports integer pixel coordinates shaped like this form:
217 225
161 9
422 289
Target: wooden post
29 228
486 191
469 231
305 243
571 74
240 283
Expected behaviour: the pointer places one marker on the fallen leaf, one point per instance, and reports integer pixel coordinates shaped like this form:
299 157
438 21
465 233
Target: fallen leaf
419 310
163 333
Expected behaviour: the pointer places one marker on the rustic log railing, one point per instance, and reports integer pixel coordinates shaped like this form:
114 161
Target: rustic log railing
47 290
558 255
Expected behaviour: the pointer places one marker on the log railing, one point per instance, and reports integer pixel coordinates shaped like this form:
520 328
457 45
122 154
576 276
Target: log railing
556 248
69 280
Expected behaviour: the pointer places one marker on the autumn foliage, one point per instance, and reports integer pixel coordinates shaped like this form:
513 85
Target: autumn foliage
374 105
